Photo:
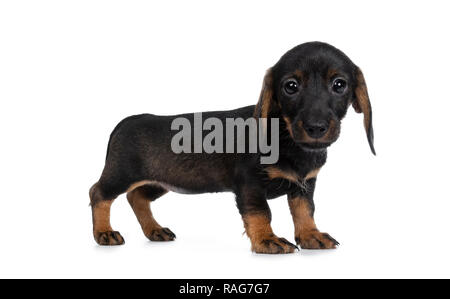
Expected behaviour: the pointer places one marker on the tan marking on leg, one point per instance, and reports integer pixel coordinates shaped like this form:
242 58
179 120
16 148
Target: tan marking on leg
301 214
258 229
101 209
141 207
101 216
306 233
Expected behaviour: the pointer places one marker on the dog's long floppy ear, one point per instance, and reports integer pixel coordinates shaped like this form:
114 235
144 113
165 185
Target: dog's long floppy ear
361 103
265 99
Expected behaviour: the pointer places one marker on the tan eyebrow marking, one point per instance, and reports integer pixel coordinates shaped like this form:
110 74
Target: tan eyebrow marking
331 73
299 74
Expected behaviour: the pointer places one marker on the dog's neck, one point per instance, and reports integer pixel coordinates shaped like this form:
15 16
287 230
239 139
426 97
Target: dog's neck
299 159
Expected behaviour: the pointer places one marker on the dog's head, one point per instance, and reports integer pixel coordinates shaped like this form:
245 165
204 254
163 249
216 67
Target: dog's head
311 88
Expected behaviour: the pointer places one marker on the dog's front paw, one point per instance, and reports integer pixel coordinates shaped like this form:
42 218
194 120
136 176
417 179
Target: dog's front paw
109 238
161 234
316 240
273 245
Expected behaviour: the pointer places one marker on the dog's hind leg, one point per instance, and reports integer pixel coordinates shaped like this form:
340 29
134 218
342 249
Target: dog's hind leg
101 206
140 199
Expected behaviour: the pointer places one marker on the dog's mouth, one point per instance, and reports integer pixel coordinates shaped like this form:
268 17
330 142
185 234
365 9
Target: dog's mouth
314 146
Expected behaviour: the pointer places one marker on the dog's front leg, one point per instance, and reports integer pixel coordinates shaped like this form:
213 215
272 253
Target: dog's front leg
256 215
307 235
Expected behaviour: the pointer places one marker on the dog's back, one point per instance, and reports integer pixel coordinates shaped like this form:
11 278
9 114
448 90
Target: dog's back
139 149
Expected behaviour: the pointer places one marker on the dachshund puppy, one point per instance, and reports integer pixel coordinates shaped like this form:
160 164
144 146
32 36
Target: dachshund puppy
308 91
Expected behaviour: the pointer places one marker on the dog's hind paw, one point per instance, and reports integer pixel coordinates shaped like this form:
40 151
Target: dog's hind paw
161 234
109 238
274 245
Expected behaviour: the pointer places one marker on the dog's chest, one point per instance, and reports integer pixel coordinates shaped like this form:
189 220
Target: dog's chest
290 175
282 182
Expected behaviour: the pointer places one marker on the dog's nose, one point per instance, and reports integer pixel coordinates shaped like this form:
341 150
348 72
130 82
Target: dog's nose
316 129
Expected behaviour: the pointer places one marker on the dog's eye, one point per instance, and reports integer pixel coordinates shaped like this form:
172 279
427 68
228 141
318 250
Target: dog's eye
291 86
339 86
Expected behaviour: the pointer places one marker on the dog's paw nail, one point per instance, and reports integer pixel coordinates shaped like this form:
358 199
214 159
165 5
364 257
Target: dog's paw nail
161 234
109 238
316 240
274 245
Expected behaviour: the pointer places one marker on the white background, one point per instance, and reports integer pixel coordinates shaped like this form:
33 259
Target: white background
70 70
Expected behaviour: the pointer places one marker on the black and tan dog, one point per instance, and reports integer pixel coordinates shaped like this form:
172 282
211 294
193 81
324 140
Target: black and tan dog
309 90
